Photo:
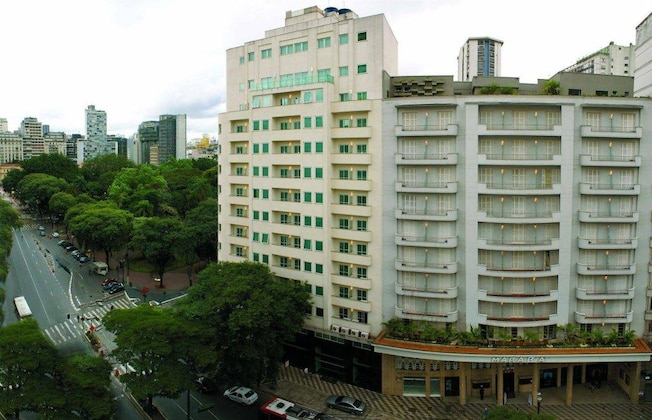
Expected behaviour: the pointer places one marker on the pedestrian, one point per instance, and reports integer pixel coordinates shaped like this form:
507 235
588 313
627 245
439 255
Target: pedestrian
505 398
529 399
485 413
481 392
111 307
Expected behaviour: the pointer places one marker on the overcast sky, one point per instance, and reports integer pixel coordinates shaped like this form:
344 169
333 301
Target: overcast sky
138 59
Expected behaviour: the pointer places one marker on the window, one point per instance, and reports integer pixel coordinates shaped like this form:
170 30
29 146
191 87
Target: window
343 313
323 75
265 259
361 272
319 268
242 60
361 148
256 170
250 56
344 292
307 147
301 46
319 246
256 146
344 224
319 173
344 247
256 193
319 95
307 122
362 295
251 84
256 257
256 237
265 171
256 125
344 97
319 312
344 71
265 238
307 172
319 122
362 317
307 266
265 147
324 42
266 53
265 194
361 122
265 216
319 222
362 225
265 125
344 173
361 249
362 68
287 49
319 198
319 291
307 97
285 219
307 220
307 197
344 39
362 36
256 215
319 147
344 199
361 200
362 96
307 244
361 175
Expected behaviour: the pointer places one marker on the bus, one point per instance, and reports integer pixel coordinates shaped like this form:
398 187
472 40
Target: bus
278 408
22 307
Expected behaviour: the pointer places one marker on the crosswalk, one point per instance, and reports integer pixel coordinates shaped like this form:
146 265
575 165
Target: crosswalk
81 321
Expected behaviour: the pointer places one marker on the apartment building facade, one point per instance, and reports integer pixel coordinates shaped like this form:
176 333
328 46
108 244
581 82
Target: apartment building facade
615 60
479 57
419 199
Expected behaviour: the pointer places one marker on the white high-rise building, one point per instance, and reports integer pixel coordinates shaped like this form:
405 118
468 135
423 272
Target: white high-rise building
643 58
4 125
479 57
32 131
614 60
95 144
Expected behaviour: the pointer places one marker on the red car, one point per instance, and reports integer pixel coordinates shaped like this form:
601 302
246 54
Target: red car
108 280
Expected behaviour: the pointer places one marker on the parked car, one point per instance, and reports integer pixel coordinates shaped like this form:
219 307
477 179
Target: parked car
110 284
55 234
70 248
41 232
345 403
241 394
75 253
109 280
63 243
83 258
116 289
41 228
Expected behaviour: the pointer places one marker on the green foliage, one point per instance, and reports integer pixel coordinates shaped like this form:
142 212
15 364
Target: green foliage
157 239
99 173
202 229
11 180
162 348
249 314
132 185
490 89
86 385
37 189
552 87
60 203
53 164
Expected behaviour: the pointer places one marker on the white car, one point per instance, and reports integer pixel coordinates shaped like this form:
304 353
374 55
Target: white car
55 234
241 394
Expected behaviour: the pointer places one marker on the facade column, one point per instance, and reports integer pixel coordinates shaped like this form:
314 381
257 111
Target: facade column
500 367
635 382
569 384
464 379
535 384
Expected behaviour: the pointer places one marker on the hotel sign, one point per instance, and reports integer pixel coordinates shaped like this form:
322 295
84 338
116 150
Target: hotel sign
518 359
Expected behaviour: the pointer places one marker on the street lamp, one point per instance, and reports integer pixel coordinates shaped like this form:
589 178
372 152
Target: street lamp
539 399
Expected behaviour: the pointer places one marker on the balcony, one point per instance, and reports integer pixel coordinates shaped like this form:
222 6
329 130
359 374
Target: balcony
518 272
430 130
350 184
620 318
436 215
425 241
351 258
446 317
351 210
611 132
605 243
518 321
291 183
509 245
520 130
586 294
443 293
351 234
611 161
351 133
536 216
425 159
351 303
348 107
426 267
606 269
610 189
508 188
521 159
609 216
351 281
432 187
351 159
518 297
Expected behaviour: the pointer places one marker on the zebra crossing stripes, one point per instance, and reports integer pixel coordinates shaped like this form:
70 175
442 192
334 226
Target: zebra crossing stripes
78 324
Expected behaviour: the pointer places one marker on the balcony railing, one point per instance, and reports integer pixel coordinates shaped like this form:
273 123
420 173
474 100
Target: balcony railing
308 80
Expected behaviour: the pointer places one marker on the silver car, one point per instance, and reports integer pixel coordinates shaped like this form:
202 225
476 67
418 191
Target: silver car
344 403
241 394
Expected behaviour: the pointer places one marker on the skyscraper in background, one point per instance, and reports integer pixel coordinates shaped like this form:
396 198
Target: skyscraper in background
479 57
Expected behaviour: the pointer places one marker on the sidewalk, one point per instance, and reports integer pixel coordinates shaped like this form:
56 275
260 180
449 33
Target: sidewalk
309 390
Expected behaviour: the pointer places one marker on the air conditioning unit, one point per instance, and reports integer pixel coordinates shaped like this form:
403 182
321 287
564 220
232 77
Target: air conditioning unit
335 328
354 332
344 330
364 334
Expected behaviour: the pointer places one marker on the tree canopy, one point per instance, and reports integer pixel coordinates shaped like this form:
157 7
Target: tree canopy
131 185
157 239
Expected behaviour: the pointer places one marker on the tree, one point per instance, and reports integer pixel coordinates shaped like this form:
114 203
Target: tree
179 181
60 203
202 225
36 189
29 368
131 185
250 315
100 172
53 164
101 226
86 385
552 87
157 238
11 180
159 346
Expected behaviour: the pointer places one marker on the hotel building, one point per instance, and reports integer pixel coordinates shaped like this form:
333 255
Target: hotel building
433 203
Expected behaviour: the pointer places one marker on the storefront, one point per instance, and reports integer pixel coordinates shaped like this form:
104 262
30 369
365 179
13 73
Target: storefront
458 372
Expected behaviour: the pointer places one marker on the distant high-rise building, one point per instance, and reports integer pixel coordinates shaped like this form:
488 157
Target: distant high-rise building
479 57
11 147
146 138
55 142
172 137
643 58
4 126
96 138
32 131
613 60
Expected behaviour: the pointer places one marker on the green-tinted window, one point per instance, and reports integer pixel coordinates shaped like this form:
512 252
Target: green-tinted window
256 193
362 68
319 147
265 238
319 269
319 95
319 222
319 173
344 71
256 148
307 147
319 291
265 171
256 214
344 39
307 266
324 42
265 259
307 122
265 216
307 244
307 220
256 125
266 53
256 170
265 147
242 60
319 246
362 36
307 172
319 198
307 197
256 257
319 122
256 237
251 56
265 194
362 96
